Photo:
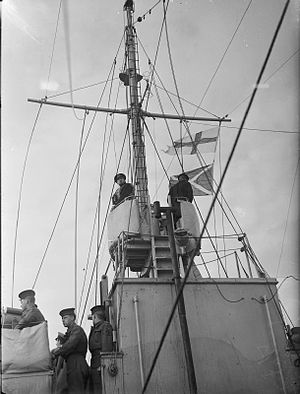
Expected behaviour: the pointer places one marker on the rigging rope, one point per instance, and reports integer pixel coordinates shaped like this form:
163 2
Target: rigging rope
277 290
191 258
76 209
211 241
102 167
287 315
100 241
53 46
80 88
287 217
154 146
184 100
217 259
223 56
205 266
19 202
239 261
167 125
68 53
265 80
88 260
101 237
69 187
221 194
165 89
155 56
252 129
173 71
140 18
266 301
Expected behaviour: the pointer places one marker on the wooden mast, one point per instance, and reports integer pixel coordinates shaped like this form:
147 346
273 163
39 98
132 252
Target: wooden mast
139 160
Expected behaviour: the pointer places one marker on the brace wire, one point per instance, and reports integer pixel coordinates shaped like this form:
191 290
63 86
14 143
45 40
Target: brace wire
53 46
68 189
19 202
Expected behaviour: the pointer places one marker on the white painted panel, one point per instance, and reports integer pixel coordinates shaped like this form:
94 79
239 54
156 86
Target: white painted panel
125 217
189 219
230 336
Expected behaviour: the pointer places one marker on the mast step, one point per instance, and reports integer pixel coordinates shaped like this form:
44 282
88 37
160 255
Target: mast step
162 262
164 274
136 265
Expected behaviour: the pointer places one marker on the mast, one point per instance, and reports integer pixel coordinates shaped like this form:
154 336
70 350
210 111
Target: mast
141 180
139 161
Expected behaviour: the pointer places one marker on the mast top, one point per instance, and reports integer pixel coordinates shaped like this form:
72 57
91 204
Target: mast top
128 5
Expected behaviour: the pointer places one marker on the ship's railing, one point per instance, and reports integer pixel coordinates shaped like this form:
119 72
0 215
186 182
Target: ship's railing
226 256
119 249
217 256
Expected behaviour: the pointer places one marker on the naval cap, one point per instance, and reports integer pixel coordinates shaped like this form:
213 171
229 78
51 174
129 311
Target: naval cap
184 175
97 308
26 293
67 311
118 176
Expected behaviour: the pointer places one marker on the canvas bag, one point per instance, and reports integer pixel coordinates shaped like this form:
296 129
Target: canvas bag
26 350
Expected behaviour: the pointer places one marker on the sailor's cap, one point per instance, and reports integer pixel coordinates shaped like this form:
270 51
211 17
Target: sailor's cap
26 293
60 335
97 308
118 176
183 174
67 311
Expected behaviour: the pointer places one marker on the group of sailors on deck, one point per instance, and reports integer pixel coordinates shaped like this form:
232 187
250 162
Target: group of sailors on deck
72 373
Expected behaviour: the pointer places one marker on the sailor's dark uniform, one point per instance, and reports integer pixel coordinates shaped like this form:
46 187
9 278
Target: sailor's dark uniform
60 376
184 190
31 316
74 351
124 191
100 340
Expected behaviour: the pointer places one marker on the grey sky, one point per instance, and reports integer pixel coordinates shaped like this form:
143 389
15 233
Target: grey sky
259 182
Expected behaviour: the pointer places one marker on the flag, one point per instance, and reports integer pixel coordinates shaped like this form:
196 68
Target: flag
201 180
203 142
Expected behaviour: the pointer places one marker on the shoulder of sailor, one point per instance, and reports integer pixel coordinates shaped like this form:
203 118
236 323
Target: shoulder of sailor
29 311
104 327
73 329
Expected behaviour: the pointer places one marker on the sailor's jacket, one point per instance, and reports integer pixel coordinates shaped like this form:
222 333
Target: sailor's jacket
100 340
31 316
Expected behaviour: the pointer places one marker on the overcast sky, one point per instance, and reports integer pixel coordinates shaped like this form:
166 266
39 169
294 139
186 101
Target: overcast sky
260 179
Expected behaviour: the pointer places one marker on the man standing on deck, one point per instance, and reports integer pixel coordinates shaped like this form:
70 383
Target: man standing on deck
181 190
100 340
125 190
60 374
73 350
31 315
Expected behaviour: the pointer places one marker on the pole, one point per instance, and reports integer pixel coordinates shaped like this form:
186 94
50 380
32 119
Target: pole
274 344
139 160
126 111
135 301
181 308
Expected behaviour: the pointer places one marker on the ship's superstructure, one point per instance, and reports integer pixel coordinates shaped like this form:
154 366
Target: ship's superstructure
178 328
227 335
